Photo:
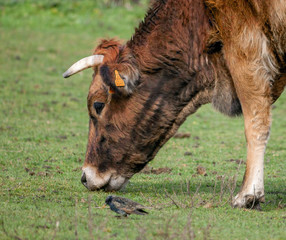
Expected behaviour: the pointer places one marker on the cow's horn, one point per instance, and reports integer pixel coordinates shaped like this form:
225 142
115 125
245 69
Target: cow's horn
84 63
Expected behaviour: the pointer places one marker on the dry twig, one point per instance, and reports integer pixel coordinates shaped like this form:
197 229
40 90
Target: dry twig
90 220
75 220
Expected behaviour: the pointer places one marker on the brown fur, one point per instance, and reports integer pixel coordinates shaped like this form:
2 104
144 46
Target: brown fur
187 53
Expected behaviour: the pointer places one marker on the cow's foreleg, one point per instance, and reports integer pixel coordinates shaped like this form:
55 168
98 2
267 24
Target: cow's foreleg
257 126
255 100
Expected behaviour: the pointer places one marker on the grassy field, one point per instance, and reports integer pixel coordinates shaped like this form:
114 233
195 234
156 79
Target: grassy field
44 126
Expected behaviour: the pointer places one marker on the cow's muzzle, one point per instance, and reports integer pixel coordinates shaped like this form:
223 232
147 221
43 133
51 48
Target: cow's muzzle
108 181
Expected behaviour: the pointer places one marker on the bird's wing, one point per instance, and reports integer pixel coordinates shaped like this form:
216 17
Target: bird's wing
140 212
127 210
119 203
128 206
128 202
138 206
117 210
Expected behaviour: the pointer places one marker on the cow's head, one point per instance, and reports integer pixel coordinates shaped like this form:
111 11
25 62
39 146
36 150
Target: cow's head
133 112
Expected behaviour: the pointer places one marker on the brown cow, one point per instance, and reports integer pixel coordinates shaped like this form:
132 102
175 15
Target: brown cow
185 53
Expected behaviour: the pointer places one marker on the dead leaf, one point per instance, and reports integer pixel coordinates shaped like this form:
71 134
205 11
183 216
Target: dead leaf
208 205
201 170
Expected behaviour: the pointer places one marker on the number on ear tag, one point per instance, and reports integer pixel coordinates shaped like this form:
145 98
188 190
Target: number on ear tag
118 80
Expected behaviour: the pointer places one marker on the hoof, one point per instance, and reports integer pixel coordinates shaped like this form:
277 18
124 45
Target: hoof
249 201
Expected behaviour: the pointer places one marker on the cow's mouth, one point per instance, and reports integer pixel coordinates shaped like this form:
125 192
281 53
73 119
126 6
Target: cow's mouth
116 184
108 181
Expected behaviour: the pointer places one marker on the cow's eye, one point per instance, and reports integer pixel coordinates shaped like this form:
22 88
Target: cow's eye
98 106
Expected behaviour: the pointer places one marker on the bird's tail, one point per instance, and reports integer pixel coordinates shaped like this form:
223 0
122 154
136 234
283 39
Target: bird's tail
140 212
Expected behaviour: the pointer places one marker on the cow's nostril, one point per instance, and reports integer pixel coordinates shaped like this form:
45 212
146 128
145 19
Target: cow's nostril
83 180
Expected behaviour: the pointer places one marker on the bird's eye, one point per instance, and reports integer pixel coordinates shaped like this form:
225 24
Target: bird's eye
98 106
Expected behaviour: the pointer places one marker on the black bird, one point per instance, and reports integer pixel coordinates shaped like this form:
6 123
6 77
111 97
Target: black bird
124 206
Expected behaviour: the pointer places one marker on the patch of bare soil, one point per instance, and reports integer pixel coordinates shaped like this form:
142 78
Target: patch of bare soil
182 135
196 145
50 160
237 161
157 171
43 174
31 172
78 169
188 154
62 137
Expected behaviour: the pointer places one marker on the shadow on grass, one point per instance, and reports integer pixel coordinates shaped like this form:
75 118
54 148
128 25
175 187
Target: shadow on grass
208 193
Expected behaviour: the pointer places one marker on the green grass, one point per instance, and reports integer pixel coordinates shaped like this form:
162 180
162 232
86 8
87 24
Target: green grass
44 126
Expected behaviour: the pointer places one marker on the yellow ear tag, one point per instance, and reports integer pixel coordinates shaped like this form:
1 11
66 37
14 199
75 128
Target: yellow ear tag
118 80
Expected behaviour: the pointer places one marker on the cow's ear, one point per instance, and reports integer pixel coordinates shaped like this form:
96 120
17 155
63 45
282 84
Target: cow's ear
119 70
121 78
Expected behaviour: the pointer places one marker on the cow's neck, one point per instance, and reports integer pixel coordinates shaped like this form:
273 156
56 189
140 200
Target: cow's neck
171 40
169 49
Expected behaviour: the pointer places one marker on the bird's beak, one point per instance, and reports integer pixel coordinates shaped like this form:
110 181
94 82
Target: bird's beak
102 207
